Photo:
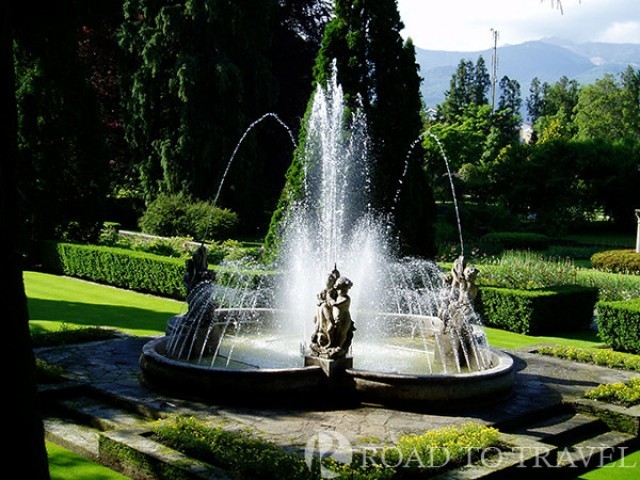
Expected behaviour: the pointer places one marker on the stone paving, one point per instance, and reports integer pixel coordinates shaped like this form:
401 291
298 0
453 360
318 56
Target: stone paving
111 367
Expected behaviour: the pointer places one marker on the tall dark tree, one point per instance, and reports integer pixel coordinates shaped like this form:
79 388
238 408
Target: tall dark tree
468 86
481 82
378 71
535 100
60 136
27 440
201 76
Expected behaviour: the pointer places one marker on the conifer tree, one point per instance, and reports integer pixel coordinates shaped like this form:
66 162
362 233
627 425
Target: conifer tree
378 73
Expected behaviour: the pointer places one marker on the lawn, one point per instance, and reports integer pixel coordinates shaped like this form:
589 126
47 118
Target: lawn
66 465
54 301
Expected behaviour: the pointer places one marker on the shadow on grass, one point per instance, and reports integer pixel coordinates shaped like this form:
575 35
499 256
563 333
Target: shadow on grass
87 314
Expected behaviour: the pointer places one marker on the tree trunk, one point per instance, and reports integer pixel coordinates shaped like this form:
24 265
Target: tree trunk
25 432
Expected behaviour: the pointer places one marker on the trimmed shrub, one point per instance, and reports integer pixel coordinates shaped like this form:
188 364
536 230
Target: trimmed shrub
617 261
140 271
539 311
619 324
143 272
499 241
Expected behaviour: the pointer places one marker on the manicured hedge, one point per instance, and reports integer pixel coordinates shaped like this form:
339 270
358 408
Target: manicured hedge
143 272
135 270
617 261
539 311
498 241
619 324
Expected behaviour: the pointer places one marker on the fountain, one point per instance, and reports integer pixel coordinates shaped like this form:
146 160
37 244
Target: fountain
395 332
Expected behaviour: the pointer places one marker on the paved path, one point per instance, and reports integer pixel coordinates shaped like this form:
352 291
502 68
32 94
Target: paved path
112 367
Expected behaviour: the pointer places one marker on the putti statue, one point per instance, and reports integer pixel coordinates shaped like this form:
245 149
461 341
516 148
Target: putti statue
196 324
334 327
455 311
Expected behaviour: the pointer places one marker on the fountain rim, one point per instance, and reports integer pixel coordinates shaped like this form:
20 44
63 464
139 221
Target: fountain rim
503 364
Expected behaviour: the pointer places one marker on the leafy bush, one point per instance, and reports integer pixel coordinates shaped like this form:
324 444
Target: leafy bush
172 215
528 270
444 446
498 241
617 261
603 357
619 324
239 452
535 312
626 394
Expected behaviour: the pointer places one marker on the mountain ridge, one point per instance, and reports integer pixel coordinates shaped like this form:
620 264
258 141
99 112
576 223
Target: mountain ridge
548 59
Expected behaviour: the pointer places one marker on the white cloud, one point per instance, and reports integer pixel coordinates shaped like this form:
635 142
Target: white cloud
467 24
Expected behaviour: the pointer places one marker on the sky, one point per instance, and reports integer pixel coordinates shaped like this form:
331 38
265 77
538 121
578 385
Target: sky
466 25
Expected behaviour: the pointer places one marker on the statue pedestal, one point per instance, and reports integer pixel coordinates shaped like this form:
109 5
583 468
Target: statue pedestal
331 367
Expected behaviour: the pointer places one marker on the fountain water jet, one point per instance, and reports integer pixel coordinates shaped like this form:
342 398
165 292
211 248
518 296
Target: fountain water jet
415 339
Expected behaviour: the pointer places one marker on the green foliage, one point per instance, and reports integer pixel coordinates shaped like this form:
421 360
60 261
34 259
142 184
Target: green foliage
528 270
137 271
67 335
603 357
626 394
47 373
200 74
178 215
617 261
611 286
619 324
239 452
499 241
63 174
535 312
444 446
378 73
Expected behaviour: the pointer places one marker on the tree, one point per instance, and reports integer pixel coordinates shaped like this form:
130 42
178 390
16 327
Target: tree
468 85
60 135
27 441
599 110
535 100
201 76
378 72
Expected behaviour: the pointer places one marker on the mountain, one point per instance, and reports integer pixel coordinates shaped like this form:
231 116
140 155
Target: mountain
547 59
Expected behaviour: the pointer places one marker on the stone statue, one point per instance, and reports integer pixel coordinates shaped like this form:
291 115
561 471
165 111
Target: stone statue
197 269
334 326
455 311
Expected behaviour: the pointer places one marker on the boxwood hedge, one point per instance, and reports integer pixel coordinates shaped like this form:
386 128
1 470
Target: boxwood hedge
619 324
539 311
617 261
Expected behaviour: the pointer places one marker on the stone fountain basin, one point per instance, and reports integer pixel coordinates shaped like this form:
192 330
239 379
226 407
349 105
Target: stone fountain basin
306 384
389 388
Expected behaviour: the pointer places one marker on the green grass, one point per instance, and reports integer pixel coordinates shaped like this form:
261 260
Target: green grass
503 339
627 468
66 465
55 301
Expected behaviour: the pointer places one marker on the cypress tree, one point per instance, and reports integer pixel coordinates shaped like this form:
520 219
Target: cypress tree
378 73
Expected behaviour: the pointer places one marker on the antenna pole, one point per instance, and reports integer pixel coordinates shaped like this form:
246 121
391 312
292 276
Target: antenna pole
494 67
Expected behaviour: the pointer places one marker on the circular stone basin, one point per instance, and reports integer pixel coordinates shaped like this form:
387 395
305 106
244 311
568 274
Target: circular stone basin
309 384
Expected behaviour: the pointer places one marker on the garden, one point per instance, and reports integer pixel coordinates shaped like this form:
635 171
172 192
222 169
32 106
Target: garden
140 132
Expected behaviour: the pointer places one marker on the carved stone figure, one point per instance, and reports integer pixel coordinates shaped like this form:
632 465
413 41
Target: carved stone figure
456 308
334 326
197 269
